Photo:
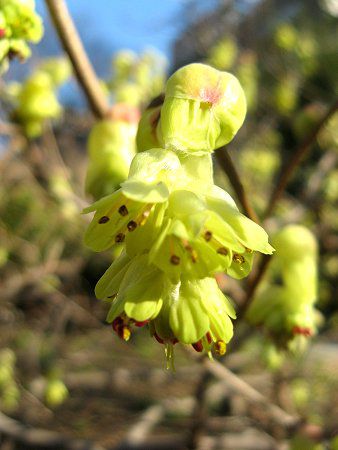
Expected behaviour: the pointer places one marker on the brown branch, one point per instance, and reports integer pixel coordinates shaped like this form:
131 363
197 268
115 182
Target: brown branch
253 284
297 158
200 413
277 414
234 178
39 438
73 47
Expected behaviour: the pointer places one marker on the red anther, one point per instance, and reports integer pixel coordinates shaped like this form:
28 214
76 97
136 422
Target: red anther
117 323
104 219
296 330
174 341
141 324
305 331
208 336
157 337
198 346
2 33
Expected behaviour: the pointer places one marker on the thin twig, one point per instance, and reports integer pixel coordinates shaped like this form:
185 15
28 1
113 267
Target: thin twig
297 158
235 180
73 47
253 284
200 413
39 438
277 414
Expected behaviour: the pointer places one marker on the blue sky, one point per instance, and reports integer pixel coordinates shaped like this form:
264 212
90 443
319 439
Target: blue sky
113 24
106 26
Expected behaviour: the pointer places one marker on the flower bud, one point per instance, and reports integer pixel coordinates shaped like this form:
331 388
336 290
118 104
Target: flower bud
203 109
55 393
59 69
111 147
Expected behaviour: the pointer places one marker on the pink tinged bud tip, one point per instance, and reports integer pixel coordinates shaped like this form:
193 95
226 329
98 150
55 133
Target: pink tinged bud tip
209 96
2 33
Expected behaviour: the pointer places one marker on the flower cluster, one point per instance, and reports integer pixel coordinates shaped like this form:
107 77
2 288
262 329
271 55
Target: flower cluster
286 309
178 229
35 100
19 24
137 78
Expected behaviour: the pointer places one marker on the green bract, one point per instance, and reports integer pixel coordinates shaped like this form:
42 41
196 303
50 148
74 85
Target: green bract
203 109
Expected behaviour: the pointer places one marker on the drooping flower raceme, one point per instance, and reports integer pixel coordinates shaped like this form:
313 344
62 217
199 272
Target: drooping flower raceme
36 99
178 228
287 310
19 24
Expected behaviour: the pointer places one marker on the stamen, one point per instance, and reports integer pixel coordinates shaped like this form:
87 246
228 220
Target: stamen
220 348
208 336
194 256
123 210
104 219
208 235
131 226
222 251
239 259
198 346
175 260
248 250
125 333
192 252
304 331
157 337
117 323
141 324
119 238
144 216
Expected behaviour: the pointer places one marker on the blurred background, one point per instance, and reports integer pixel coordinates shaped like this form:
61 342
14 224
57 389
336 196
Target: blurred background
65 380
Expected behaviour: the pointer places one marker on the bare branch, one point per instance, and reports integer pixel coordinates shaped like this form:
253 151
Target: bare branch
297 158
277 414
73 47
39 438
235 180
